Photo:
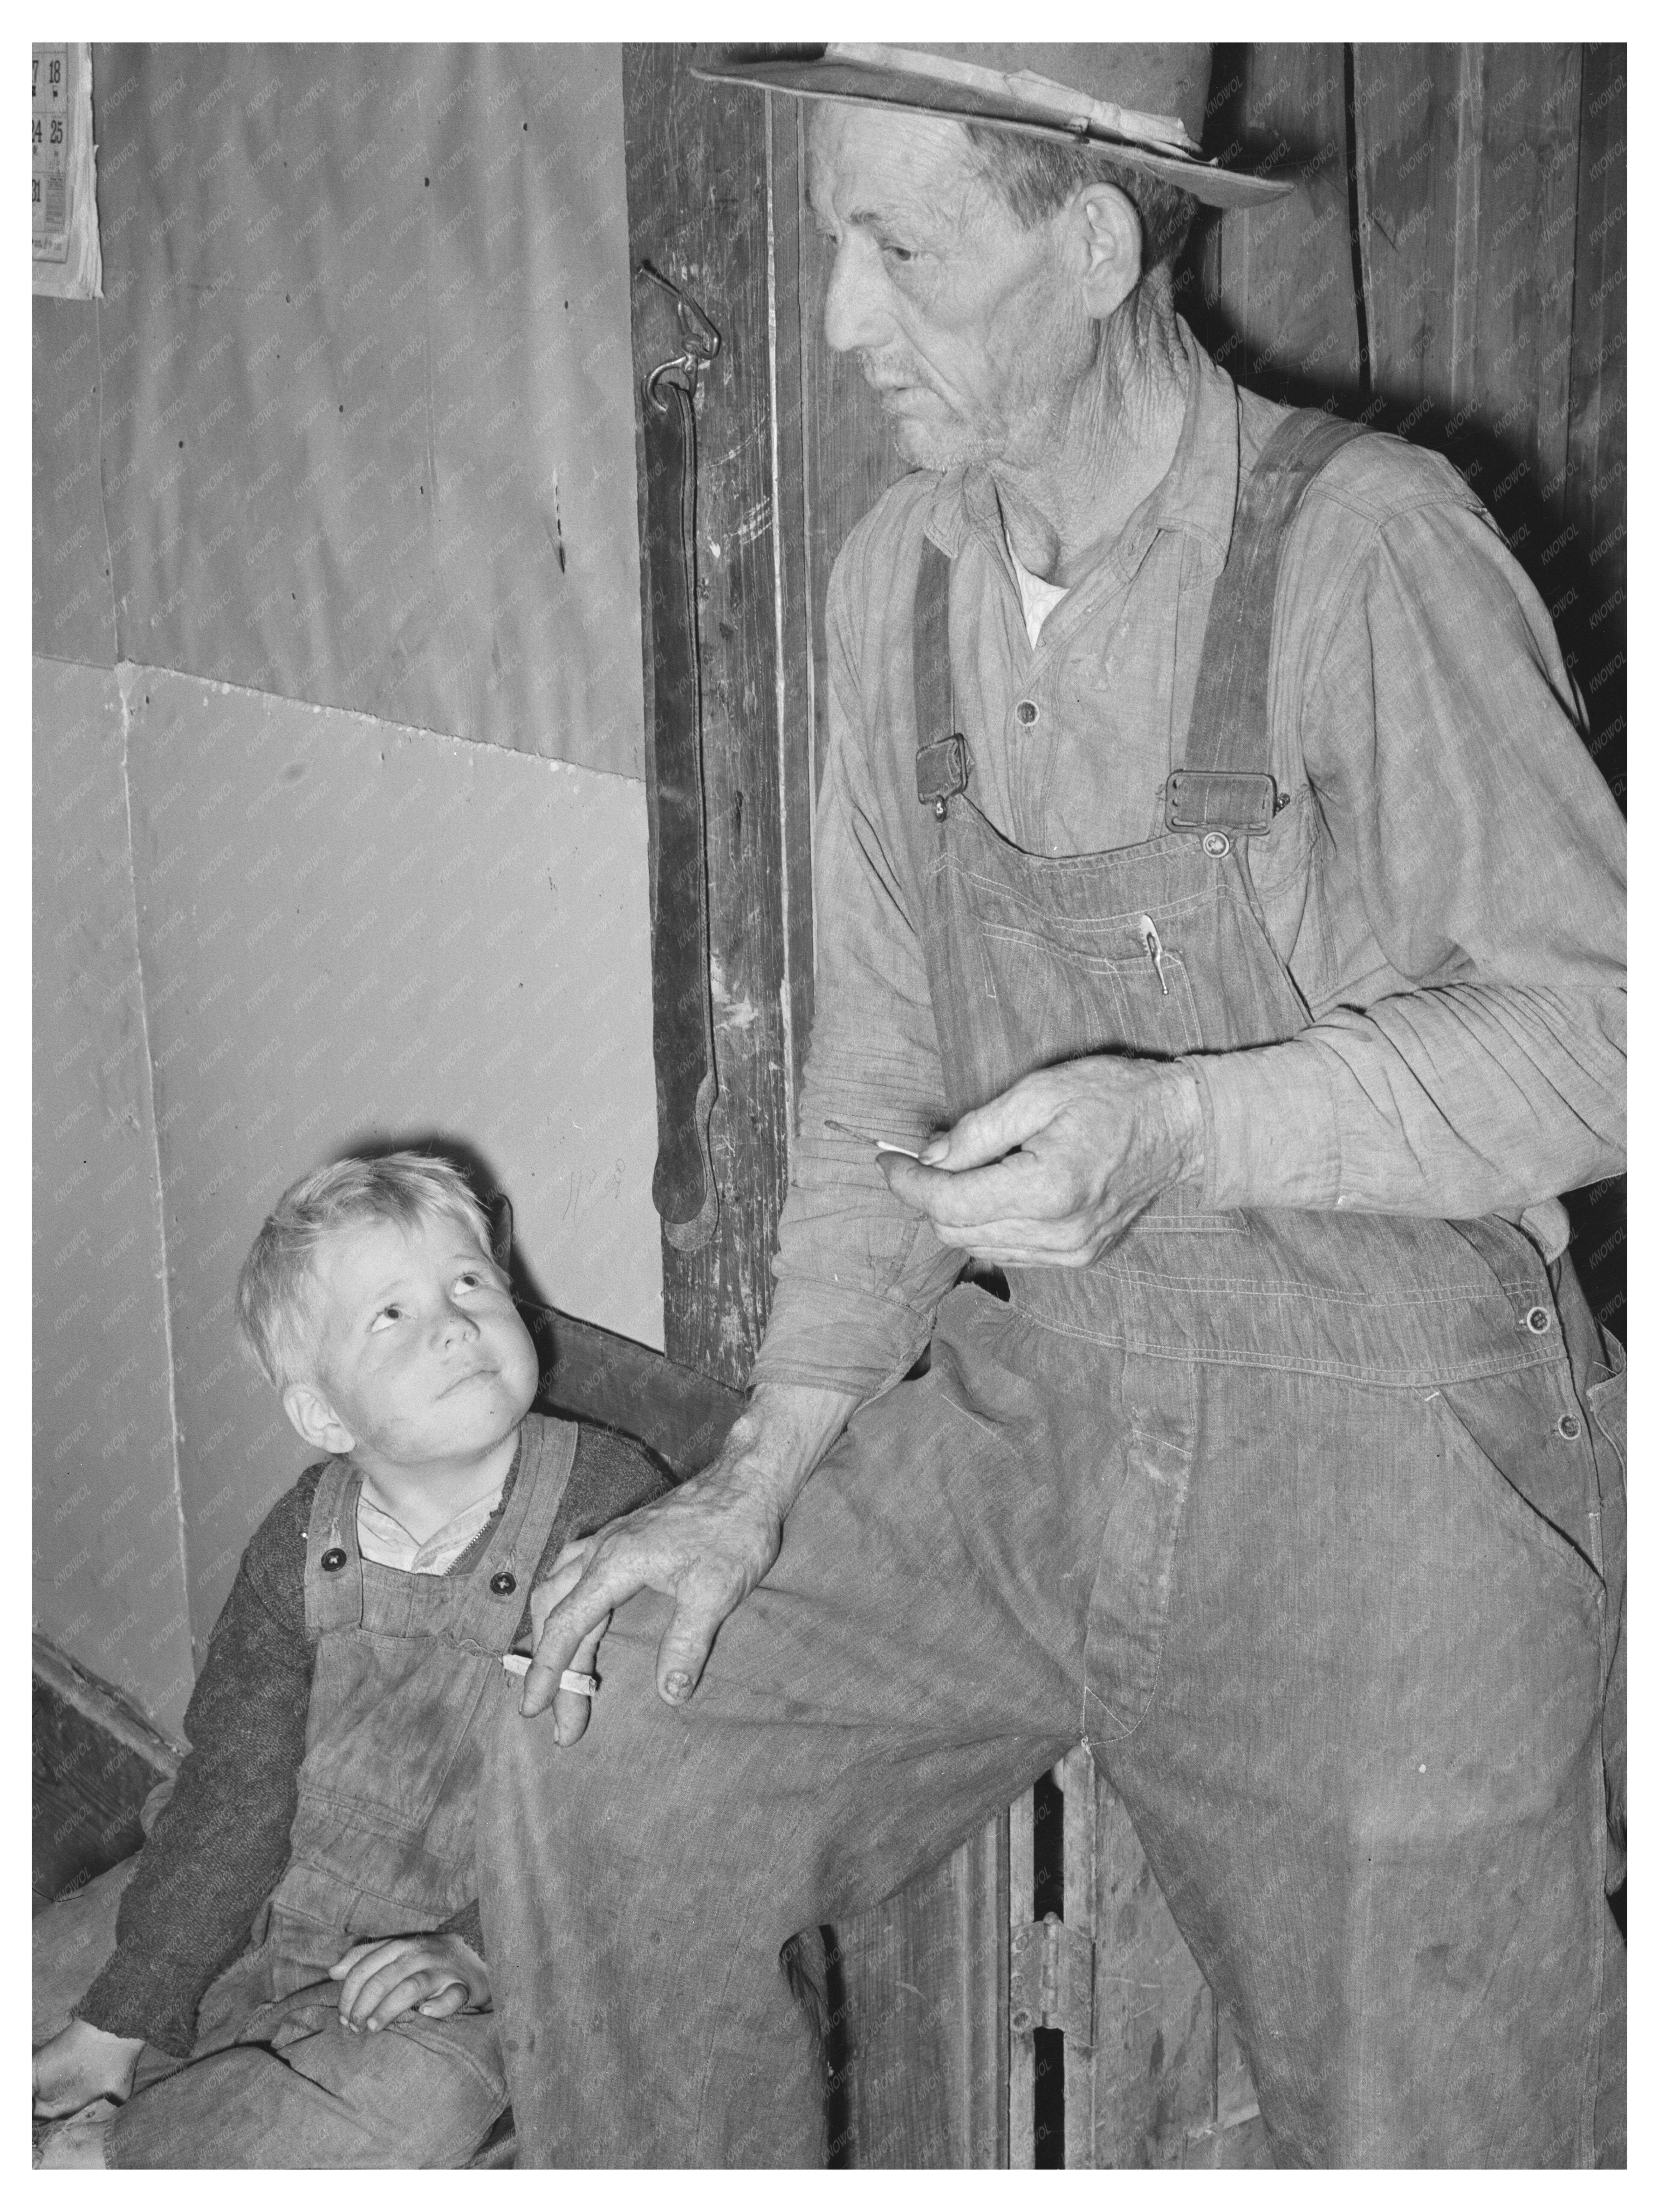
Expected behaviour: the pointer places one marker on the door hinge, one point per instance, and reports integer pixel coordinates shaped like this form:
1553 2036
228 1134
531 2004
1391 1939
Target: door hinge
1051 1980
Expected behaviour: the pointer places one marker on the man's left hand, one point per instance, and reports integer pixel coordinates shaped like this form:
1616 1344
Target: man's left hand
1052 1172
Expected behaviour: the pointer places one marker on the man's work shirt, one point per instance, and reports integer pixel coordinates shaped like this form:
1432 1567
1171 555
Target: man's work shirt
1445 885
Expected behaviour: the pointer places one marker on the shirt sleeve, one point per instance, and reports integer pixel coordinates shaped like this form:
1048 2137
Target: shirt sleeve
859 1276
220 1844
1465 832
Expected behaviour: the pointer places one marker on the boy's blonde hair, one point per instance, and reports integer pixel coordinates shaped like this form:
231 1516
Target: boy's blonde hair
276 1291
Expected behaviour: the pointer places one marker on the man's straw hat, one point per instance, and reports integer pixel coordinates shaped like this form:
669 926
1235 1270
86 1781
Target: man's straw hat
1144 103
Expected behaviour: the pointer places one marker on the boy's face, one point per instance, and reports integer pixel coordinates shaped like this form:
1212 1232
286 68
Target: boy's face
425 1360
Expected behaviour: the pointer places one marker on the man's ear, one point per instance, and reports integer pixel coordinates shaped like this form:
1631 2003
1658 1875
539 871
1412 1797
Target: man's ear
1113 245
316 1419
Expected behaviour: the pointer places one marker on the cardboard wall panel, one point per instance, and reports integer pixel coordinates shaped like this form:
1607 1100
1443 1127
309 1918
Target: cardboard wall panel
369 412
74 614
108 1567
354 932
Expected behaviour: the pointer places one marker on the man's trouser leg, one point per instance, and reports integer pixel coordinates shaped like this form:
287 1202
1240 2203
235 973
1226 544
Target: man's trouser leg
912 1660
1347 1676
1369 1778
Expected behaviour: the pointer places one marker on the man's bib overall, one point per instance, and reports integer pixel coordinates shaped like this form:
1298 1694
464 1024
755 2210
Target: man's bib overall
407 1671
1302 1521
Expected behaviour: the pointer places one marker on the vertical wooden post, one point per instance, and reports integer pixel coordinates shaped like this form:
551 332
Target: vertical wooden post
713 202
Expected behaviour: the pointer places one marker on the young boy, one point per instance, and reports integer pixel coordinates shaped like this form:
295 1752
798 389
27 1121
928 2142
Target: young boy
298 1977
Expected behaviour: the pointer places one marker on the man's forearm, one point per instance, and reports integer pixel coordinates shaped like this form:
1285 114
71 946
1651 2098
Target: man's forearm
781 1435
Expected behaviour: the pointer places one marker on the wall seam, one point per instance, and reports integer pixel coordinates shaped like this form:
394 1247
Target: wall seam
779 658
126 672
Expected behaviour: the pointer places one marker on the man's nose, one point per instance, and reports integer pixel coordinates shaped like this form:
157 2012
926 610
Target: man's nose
856 315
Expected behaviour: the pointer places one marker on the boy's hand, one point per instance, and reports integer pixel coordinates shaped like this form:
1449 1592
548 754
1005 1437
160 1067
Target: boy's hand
434 1975
81 2064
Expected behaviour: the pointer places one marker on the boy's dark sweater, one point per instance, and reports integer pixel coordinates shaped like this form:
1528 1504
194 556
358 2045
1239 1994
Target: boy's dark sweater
220 1843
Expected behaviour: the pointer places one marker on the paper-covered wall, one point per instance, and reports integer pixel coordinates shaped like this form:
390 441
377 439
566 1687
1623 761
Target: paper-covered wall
367 415
340 829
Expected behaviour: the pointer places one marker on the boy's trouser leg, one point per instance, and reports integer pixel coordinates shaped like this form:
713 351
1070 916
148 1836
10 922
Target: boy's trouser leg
296 2089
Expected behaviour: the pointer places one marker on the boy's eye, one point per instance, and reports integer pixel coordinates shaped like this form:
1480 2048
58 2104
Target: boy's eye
471 1279
385 1317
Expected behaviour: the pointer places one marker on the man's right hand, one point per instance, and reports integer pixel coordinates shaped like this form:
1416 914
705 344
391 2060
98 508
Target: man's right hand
705 1546
81 2064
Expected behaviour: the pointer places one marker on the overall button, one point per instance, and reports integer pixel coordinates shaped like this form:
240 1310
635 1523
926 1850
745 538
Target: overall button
333 1560
1218 844
1538 1321
1026 713
1570 1427
503 1584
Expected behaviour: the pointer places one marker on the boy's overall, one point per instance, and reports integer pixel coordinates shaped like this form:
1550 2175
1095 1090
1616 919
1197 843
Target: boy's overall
408 1674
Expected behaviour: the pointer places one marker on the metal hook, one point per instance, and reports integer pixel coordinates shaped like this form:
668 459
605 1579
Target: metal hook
702 341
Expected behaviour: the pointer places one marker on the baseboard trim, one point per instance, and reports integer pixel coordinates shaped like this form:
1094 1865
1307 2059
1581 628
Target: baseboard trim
105 1707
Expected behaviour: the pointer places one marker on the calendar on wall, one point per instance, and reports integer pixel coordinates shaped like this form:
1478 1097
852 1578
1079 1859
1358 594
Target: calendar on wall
63 233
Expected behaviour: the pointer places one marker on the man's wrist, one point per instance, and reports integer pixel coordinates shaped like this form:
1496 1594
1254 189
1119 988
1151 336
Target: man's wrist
780 1437
1187 1111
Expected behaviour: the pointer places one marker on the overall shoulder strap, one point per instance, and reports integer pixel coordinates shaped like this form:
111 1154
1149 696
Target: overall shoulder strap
334 1566
1223 786
942 758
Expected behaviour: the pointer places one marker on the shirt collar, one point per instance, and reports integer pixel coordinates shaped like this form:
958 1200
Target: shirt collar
1197 494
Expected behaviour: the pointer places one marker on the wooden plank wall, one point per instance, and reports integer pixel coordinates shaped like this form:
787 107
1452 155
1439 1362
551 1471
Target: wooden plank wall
1462 283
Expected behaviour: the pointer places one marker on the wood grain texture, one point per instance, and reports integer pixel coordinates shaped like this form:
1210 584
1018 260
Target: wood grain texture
925 1976
88 1788
700 210
1275 302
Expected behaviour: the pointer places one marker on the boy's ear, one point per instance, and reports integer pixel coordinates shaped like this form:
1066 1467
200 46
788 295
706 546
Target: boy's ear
316 1419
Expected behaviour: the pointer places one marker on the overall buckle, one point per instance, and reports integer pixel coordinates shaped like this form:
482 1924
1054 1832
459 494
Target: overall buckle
941 772
1220 803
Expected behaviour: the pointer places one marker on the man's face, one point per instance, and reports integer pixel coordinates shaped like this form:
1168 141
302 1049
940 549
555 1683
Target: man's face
969 326
425 1359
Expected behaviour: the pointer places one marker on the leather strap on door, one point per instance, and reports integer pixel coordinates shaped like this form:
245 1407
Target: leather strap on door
683 1186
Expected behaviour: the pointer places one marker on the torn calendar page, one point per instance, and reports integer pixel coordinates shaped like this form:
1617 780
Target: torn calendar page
63 233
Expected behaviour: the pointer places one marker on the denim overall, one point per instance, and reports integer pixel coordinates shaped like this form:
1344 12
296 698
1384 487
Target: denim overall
1299 1520
407 1676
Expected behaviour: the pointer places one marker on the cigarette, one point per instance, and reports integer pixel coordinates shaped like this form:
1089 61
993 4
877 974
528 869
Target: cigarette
869 1137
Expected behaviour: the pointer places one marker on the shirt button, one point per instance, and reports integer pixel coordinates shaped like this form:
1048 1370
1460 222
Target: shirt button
503 1584
333 1560
1570 1427
1538 1321
1026 713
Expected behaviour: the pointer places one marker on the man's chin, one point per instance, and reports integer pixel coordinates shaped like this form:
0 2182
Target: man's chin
934 446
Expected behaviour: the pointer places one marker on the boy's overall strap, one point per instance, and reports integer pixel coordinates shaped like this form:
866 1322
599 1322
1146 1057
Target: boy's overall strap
498 1587
334 1565
1223 789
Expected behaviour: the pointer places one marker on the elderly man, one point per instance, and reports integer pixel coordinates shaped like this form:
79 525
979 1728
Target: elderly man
1215 892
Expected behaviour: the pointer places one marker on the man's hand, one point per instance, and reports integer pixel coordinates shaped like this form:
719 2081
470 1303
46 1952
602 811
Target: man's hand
435 1974
706 1545
1099 1140
81 2064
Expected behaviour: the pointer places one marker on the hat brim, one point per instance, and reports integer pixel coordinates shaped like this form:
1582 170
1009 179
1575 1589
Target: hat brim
870 85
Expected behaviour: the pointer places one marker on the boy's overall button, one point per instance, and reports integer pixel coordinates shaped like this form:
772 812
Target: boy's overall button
503 1584
1026 713
1218 844
1569 1427
1538 1321
333 1560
